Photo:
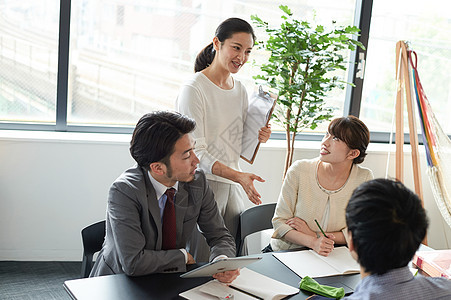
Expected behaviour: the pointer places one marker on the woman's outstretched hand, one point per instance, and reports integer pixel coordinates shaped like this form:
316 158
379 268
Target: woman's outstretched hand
246 180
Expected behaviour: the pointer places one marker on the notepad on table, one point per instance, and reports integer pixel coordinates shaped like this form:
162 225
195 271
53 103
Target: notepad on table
309 263
248 285
435 263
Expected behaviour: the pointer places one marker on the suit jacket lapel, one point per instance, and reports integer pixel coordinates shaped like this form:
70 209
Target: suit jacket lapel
181 204
154 209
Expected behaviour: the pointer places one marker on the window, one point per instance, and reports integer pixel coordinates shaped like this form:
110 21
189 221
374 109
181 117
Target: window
28 60
426 25
125 58
118 71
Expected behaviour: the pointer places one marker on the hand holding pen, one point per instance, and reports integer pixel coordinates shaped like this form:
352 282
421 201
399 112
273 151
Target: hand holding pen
324 244
322 231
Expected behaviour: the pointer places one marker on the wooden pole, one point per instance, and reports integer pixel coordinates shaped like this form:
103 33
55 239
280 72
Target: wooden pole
404 84
412 124
399 168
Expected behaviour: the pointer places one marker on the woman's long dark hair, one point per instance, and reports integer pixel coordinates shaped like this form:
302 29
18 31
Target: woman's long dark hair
224 31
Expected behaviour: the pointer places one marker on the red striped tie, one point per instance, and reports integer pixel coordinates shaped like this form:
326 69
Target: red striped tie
169 228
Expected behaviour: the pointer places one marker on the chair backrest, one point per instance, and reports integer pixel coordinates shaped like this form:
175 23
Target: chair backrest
92 237
254 219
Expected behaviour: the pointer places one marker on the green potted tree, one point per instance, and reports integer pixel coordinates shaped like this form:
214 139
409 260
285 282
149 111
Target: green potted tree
300 70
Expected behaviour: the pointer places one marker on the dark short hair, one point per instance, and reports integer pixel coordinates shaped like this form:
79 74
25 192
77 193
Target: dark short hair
155 135
353 132
224 31
387 222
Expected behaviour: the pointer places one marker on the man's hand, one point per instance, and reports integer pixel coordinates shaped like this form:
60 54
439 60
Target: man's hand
190 259
228 276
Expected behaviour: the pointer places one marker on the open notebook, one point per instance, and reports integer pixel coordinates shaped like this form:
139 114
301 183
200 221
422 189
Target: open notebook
309 263
249 285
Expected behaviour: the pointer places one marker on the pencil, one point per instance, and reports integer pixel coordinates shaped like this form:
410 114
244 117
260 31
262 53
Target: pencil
320 228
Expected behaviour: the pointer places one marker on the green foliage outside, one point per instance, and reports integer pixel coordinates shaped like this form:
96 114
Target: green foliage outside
303 58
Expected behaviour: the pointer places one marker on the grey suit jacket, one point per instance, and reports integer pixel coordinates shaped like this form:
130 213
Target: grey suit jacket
134 230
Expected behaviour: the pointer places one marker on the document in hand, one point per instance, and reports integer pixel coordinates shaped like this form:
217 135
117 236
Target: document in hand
249 285
221 265
260 109
309 263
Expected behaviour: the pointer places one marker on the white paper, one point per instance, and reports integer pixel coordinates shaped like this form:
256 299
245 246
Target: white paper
262 286
258 114
309 263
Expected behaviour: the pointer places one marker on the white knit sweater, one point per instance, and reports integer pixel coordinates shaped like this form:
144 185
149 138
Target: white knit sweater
219 115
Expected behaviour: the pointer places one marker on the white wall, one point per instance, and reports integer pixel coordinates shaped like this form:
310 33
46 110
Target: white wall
54 184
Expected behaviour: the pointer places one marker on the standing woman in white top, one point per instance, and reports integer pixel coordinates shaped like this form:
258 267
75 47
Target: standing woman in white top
320 188
218 102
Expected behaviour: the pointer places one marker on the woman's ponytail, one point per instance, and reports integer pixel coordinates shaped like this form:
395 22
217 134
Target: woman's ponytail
204 58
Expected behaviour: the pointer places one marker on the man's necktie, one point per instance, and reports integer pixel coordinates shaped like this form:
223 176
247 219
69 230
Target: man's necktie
169 229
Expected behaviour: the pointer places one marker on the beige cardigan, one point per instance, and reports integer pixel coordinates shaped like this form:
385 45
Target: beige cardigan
302 197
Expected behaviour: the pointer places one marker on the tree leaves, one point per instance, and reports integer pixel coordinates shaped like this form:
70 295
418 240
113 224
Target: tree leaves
302 60
286 10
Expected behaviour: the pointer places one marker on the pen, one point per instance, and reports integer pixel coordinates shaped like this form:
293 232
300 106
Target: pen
320 228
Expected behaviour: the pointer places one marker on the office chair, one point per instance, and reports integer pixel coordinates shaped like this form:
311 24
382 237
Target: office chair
92 237
254 219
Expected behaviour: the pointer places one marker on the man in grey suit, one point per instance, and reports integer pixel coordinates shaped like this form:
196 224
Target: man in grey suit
134 243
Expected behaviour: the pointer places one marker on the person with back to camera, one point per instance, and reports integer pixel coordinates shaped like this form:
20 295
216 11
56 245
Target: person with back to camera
218 102
154 206
386 225
319 189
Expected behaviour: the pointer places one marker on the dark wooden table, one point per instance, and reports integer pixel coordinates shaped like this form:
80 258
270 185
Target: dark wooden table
168 286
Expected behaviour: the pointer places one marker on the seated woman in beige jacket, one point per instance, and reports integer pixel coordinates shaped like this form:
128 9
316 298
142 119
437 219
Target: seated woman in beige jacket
319 189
